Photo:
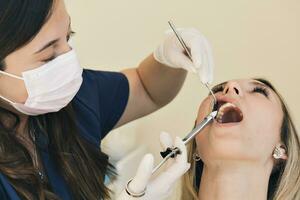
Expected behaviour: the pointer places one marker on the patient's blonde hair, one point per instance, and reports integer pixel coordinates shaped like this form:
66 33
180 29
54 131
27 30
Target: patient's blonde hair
284 183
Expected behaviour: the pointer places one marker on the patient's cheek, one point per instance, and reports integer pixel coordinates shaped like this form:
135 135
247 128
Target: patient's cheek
204 110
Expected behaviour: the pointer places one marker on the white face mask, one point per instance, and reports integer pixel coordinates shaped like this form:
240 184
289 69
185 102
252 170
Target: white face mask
51 86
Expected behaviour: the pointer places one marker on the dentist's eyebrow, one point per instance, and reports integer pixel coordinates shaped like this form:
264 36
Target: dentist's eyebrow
49 44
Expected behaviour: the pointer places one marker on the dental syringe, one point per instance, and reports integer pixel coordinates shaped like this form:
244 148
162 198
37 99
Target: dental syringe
173 152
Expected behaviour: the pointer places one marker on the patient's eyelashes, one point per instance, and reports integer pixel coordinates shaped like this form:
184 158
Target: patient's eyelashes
258 89
261 90
255 88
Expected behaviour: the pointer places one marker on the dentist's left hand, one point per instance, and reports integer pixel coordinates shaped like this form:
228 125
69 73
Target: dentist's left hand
161 187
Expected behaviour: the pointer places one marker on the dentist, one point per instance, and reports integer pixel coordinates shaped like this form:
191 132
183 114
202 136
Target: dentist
54 113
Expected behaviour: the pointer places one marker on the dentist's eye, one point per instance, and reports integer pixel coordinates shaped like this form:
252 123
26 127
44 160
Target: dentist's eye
48 59
218 88
261 90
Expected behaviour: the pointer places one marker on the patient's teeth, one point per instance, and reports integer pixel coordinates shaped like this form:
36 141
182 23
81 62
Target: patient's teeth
226 105
219 117
222 109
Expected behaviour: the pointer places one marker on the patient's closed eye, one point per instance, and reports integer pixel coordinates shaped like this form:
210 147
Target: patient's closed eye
261 90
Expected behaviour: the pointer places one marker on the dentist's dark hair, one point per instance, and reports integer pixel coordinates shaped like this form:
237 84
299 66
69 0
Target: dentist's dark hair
82 165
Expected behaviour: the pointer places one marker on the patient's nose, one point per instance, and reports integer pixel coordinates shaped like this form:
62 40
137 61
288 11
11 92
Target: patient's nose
232 87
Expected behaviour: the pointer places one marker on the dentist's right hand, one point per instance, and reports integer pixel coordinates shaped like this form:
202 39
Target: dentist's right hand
171 53
161 187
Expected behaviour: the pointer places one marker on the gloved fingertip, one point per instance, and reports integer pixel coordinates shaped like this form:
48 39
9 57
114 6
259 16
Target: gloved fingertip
194 70
143 174
188 166
182 158
165 140
164 134
204 78
191 69
197 66
179 142
147 162
197 63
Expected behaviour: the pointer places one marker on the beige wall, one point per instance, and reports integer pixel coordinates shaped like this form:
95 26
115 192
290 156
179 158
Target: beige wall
254 38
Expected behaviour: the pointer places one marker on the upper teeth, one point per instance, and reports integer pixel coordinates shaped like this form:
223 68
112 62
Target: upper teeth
221 110
226 105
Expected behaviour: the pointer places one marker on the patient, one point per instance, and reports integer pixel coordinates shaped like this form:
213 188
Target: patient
250 152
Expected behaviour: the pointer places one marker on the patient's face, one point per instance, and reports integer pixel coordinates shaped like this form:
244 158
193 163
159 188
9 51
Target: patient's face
247 127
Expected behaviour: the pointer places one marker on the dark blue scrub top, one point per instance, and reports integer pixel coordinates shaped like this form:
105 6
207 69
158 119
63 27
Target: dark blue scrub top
98 105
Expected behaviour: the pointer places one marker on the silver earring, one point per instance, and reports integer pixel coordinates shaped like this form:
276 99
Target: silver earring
278 153
196 157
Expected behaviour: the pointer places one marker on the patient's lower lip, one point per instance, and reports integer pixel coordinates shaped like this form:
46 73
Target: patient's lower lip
226 124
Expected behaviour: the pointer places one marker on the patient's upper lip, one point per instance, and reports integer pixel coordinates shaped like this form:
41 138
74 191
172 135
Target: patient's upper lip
227 99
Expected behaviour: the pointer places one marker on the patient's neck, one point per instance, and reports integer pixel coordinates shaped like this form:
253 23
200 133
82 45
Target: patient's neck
234 182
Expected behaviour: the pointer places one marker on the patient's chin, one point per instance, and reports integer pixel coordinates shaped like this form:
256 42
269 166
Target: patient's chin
224 143
215 149
223 156
213 134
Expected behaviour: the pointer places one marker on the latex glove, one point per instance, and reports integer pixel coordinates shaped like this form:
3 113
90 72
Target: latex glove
172 54
161 187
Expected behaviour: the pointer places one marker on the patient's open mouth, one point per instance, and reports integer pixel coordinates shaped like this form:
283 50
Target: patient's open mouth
228 113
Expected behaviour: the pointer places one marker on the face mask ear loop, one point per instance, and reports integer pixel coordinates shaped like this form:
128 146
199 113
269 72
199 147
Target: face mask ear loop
11 75
5 99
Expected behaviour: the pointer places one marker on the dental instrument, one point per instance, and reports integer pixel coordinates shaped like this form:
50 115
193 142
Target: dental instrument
199 127
173 152
188 52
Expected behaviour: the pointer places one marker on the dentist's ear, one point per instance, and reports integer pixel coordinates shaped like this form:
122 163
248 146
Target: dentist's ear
280 152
